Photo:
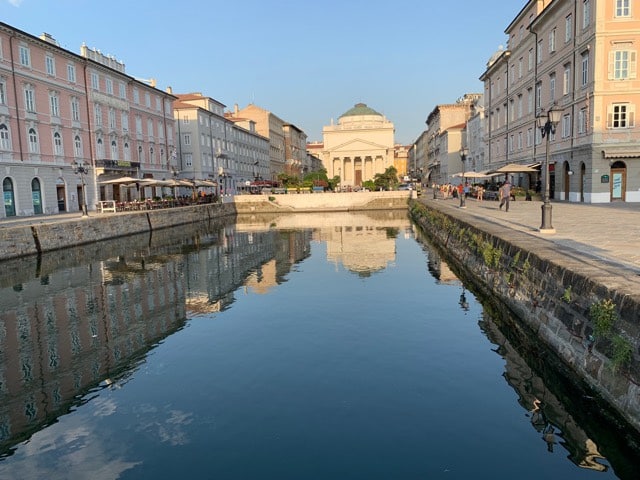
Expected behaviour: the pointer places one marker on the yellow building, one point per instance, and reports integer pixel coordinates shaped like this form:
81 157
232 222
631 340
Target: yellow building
578 59
359 146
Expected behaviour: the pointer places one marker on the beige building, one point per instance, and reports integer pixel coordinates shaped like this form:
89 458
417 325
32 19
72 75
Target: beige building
446 125
270 126
578 57
359 146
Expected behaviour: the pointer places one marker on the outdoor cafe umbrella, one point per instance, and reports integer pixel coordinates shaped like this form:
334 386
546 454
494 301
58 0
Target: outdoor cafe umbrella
513 168
470 175
120 180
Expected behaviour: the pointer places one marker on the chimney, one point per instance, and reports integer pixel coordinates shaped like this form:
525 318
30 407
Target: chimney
170 90
235 109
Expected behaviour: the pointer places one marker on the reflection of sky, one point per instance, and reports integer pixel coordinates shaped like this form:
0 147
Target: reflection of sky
79 447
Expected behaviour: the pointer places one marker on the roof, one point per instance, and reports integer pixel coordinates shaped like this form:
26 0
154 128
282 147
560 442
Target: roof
360 109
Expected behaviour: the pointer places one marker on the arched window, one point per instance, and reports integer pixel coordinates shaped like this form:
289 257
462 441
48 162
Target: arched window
77 146
140 155
151 159
36 196
57 144
114 150
5 144
127 152
100 149
9 200
34 147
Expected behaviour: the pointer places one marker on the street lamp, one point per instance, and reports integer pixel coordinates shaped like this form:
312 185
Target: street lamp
82 169
463 156
547 124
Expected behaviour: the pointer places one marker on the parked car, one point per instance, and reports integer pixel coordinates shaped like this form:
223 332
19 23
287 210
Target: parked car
405 186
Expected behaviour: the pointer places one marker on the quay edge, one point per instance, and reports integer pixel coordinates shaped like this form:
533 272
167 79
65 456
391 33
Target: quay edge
532 280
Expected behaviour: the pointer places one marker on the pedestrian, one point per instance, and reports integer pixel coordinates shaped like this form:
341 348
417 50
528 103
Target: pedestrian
505 195
480 192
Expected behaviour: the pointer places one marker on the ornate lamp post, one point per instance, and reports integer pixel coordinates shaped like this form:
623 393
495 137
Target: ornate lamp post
547 124
82 169
463 157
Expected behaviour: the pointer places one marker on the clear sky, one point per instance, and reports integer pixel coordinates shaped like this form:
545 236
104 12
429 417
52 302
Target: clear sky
307 61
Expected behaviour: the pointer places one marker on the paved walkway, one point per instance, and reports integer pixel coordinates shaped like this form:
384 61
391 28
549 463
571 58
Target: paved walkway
607 232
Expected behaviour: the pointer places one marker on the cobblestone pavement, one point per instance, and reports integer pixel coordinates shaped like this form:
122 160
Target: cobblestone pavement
607 232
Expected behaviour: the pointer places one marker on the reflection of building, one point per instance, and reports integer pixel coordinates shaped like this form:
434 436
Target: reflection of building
359 146
67 332
547 411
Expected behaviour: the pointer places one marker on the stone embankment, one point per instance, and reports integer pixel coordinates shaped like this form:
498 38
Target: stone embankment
49 233
589 316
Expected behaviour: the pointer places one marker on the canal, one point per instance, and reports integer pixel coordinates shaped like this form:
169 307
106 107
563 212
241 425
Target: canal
312 346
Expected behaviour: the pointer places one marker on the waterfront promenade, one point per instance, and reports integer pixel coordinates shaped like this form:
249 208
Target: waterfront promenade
600 234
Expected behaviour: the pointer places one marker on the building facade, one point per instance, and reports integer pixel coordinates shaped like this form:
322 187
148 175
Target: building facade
359 146
579 58
69 121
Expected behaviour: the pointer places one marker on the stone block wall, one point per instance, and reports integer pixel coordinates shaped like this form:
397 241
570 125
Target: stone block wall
552 295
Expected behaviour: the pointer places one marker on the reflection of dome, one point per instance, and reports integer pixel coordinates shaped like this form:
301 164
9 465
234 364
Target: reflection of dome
360 109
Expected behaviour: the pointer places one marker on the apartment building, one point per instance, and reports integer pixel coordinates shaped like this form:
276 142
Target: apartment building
69 121
270 126
446 125
577 57
295 150
213 146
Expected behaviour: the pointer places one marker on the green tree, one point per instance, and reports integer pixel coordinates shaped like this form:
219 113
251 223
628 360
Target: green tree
387 180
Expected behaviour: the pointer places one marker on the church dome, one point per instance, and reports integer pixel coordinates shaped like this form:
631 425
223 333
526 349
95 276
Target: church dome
360 109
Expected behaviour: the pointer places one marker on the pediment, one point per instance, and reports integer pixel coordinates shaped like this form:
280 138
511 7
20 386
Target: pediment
358 145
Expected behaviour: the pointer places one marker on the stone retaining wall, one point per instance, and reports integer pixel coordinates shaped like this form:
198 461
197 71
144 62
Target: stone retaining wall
23 240
552 295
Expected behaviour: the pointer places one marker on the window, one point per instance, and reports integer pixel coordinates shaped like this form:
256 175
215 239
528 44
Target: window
126 152
529 100
566 126
34 146
552 87
586 13
520 68
160 131
122 90
585 69
140 154
3 91
136 96
621 115
138 125
539 51
158 104
519 140
77 146
112 118
29 99
108 84
622 64
568 28
57 144
538 96
50 65
151 155
147 99
187 139
512 110
71 73
114 150
529 137
25 56
95 81
552 41
150 128
185 119
100 148
623 8
5 143
188 159
97 114
75 109
124 119
530 61
54 104
582 120
520 112
566 80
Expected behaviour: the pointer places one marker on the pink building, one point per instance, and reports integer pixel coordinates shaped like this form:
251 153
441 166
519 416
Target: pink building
68 120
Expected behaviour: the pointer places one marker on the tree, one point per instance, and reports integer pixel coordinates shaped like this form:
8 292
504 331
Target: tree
387 180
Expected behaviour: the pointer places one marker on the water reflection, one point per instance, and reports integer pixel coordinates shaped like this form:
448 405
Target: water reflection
85 320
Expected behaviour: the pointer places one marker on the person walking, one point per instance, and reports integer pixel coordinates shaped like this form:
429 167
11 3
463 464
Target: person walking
505 195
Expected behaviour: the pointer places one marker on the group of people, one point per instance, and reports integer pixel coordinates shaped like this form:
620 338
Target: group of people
455 191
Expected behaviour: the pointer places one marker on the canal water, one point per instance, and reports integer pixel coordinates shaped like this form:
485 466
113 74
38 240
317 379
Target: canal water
302 347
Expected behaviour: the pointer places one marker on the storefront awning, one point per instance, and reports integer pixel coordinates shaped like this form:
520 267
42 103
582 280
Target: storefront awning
620 154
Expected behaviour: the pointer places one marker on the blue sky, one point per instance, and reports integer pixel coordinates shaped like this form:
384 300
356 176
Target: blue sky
306 61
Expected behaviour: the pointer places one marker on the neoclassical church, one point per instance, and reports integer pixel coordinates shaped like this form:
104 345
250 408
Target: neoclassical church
359 146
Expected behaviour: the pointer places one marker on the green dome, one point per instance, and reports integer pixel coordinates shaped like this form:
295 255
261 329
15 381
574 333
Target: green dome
360 109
